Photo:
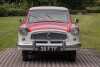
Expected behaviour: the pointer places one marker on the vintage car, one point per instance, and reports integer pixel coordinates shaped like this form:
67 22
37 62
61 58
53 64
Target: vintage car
48 29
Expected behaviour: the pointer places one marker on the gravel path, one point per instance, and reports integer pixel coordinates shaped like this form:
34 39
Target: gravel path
11 57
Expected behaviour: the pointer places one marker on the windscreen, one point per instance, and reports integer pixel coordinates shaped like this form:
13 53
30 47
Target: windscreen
47 15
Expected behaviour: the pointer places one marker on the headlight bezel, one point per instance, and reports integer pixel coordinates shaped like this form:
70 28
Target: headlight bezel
23 31
75 31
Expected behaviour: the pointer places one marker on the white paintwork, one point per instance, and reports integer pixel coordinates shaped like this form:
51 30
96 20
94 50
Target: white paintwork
48 8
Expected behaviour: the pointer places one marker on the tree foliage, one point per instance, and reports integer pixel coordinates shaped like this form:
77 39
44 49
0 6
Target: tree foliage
72 4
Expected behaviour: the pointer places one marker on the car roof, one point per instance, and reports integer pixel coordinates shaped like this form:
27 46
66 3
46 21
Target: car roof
48 8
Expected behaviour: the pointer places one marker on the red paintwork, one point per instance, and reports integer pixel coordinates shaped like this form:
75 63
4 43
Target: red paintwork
47 25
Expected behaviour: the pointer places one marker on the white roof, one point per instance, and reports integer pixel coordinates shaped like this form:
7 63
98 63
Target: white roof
48 7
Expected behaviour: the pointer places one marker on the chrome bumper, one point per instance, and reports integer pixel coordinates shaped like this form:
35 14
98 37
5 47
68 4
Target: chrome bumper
49 48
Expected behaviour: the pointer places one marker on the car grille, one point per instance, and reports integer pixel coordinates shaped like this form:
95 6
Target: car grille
49 35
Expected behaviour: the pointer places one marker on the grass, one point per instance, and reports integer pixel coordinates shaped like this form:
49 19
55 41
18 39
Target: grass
8 31
89 28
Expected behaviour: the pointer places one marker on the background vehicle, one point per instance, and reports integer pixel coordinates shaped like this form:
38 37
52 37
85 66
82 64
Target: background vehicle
48 29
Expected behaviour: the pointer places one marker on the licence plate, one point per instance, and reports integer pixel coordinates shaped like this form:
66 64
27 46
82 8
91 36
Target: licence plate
48 48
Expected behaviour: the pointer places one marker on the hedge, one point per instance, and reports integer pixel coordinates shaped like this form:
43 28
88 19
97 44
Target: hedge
3 11
78 11
16 12
84 11
6 11
95 9
11 11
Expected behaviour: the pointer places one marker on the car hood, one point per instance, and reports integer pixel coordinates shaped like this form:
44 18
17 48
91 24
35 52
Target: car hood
46 25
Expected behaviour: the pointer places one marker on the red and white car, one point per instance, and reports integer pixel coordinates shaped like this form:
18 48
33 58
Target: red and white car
48 29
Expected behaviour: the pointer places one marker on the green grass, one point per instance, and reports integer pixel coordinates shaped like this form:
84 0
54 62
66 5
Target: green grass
8 31
89 28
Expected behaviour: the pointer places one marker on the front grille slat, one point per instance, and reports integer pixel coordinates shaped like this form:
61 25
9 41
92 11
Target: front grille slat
57 36
49 35
56 41
38 36
41 41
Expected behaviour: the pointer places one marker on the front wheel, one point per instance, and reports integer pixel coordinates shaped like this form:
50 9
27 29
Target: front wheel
26 55
71 55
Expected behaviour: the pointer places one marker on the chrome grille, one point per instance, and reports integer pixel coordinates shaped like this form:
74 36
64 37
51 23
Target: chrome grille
49 35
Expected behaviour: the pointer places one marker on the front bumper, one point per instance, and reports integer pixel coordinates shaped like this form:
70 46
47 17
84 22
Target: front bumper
49 48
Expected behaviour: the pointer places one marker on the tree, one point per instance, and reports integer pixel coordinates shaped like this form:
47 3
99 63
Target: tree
71 4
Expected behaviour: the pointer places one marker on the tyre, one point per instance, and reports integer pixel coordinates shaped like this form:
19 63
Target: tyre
26 55
71 56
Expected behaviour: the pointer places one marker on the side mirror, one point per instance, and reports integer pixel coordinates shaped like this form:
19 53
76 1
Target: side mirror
76 21
20 20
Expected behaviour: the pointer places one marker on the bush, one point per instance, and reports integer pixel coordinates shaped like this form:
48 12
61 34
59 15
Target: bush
93 9
78 11
7 11
16 12
3 11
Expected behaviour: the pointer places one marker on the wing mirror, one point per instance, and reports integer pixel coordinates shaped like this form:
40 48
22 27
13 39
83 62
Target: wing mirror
76 21
20 20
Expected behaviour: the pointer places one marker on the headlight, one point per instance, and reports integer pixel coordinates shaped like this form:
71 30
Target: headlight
24 31
75 31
